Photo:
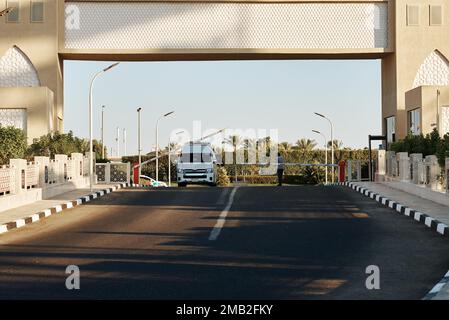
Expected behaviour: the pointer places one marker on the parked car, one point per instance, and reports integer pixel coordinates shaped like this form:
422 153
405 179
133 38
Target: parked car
152 182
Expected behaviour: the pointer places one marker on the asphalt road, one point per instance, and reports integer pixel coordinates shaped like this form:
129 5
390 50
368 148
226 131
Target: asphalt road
276 243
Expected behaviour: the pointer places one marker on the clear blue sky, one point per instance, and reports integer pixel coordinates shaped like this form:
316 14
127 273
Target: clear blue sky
234 94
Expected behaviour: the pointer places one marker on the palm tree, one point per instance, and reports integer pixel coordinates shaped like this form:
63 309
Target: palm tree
338 144
305 147
285 148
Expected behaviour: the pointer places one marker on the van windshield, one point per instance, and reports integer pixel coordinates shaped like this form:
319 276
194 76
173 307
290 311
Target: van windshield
196 157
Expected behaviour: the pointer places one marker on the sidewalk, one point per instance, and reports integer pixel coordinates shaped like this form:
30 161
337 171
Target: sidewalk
432 209
435 210
61 200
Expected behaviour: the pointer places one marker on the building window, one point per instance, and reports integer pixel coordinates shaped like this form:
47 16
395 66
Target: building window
414 121
391 129
14 15
436 15
413 15
37 11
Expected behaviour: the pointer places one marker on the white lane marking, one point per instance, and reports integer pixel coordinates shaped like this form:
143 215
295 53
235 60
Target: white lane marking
222 218
222 198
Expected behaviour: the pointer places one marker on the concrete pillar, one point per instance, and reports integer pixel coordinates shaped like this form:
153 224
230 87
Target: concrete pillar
403 161
359 170
381 162
44 169
107 173
19 167
349 170
447 175
416 168
432 171
78 165
391 163
128 172
62 161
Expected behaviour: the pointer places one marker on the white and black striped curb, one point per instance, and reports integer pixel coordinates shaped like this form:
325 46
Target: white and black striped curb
420 217
437 288
59 208
430 222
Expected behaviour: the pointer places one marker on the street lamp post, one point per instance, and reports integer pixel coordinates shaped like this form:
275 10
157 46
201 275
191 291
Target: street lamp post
157 142
325 148
138 143
91 160
332 141
102 132
117 139
124 142
169 157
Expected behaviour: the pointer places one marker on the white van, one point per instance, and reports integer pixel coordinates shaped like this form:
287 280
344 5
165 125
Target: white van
197 164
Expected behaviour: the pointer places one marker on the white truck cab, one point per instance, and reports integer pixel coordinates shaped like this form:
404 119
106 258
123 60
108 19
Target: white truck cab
197 164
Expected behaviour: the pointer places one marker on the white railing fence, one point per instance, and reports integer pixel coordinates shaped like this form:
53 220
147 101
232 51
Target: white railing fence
60 172
416 169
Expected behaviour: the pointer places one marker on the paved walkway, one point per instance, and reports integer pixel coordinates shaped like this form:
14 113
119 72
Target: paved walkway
433 209
27 210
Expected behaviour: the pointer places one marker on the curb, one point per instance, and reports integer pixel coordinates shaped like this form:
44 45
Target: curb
437 288
420 217
59 208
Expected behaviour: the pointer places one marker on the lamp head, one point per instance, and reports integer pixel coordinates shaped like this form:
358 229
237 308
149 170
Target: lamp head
111 66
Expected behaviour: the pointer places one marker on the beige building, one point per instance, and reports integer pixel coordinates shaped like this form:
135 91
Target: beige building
410 37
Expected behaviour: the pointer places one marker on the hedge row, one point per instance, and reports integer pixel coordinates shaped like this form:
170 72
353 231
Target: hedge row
288 179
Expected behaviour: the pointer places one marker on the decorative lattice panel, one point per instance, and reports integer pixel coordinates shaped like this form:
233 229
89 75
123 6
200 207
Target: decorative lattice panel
16 70
13 117
433 72
119 172
32 175
100 170
132 25
6 175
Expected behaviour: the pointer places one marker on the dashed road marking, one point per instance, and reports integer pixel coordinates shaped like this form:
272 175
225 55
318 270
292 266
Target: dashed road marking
222 218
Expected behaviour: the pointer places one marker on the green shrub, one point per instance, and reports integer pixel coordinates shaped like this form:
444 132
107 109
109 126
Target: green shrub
13 144
62 143
222 177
